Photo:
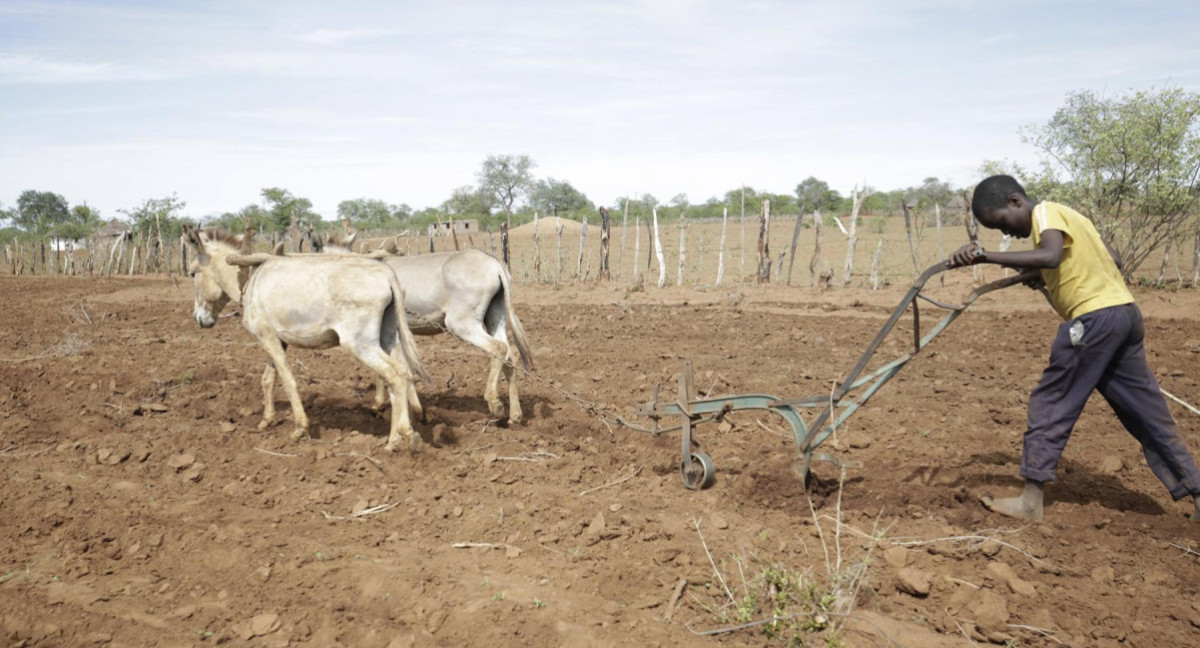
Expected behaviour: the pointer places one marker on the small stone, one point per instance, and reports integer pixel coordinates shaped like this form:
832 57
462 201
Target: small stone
511 551
989 548
990 612
1103 575
614 507
718 521
1111 465
914 582
858 440
457 512
896 557
1005 573
264 624
195 473
228 427
595 528
181 461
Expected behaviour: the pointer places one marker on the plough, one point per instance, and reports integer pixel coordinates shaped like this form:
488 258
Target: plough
696 467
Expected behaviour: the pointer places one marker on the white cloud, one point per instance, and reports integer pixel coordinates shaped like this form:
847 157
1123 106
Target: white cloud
25 69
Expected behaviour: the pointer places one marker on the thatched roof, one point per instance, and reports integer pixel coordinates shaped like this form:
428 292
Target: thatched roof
112 229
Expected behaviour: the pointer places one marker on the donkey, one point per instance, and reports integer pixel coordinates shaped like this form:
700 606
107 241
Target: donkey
468 294
312 302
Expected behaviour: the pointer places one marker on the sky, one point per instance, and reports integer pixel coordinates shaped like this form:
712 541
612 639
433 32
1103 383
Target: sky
114 103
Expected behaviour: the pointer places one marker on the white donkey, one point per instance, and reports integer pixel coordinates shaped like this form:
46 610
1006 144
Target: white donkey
312 302
468 294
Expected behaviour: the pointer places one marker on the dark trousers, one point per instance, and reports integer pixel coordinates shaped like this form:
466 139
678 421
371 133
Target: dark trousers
1107 355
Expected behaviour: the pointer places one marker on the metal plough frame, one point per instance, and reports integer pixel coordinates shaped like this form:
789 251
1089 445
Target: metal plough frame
696 468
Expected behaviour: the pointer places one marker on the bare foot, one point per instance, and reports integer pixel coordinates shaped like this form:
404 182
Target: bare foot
1014 507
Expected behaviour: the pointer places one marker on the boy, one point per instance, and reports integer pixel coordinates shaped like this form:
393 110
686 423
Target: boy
1098 346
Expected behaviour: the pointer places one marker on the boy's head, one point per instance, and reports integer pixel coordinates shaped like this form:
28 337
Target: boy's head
1000 202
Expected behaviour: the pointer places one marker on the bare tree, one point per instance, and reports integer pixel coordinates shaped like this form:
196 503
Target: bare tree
506 178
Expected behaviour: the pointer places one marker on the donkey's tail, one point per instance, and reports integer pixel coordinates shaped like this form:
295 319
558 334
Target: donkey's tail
406 343
514 322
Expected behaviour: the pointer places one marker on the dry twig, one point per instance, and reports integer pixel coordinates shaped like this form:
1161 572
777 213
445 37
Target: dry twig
696 523
612 483
273 453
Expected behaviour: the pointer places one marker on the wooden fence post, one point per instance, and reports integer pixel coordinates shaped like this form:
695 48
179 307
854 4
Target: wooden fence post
764 243
658 252
795 240
537 251
742 225
721 250
937 219
604 275
558 229
875 265
972 234
852 233
624 232
582 241
815 263
637 247
912 249
504 244
682 245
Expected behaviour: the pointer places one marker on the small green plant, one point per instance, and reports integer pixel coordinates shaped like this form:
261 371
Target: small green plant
538 604
184 378
499 596
925 433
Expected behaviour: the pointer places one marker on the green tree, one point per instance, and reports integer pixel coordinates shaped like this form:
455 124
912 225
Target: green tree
1130 162
811 194
365 213
157 212
506 179
82 222
931 192
282 206
40 212
469 202
553 197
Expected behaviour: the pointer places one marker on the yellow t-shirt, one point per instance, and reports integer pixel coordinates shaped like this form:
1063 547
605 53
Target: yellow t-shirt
1087 279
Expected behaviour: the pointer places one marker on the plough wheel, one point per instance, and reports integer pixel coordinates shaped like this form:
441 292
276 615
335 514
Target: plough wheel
698 471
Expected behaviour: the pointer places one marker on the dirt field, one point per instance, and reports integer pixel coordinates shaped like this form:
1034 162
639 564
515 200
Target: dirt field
142 507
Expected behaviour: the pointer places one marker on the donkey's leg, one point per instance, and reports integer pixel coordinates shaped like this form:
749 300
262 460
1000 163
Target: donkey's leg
414 403
381 394
268 386
470 329
274 349
396 376
515 415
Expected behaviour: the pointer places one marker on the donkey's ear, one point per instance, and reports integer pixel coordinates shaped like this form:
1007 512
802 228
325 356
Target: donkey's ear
278 249
192 237
389 246
246 238
349 239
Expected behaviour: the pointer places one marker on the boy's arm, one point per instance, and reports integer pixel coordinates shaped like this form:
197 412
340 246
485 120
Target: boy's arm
1048 254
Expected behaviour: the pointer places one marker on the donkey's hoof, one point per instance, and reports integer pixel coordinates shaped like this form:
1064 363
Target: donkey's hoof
298 433
415 442
517 417
264 424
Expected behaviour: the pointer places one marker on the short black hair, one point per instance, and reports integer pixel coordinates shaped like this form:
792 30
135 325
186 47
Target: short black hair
992 192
